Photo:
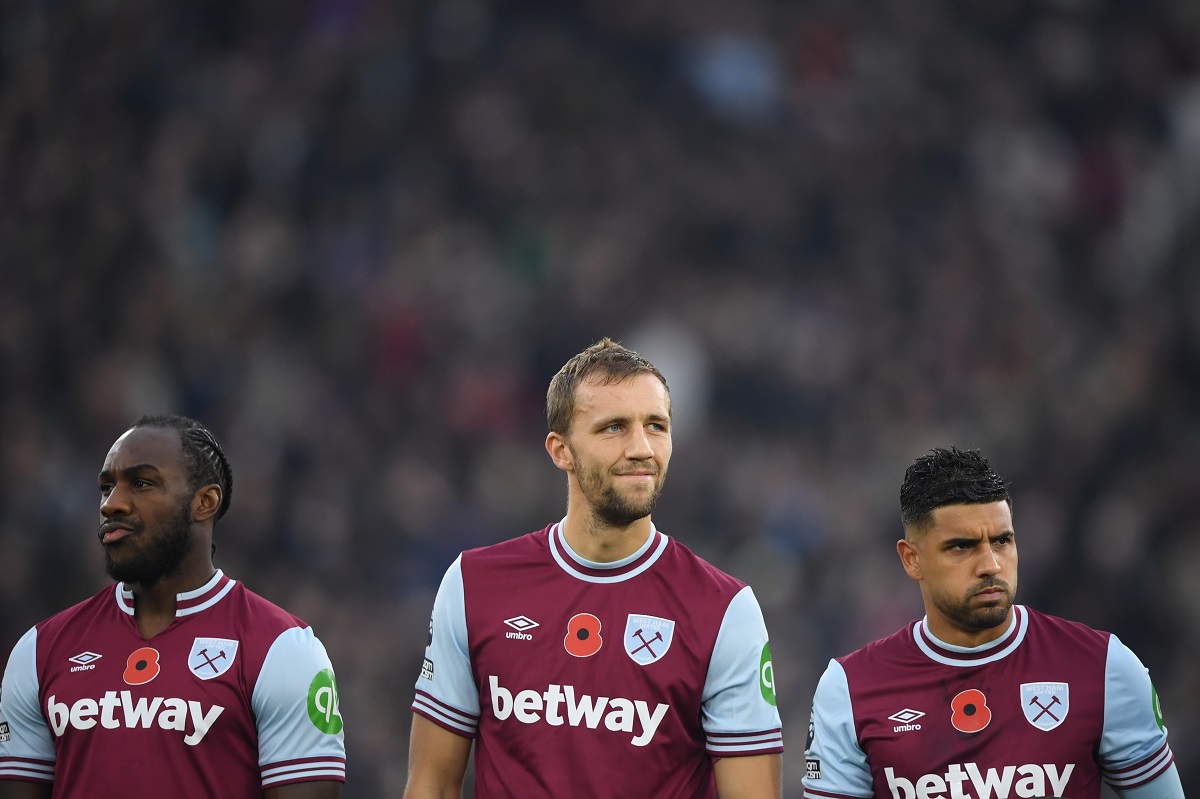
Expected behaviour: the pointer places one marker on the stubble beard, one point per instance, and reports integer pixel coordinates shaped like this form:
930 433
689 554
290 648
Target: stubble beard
608 504
978 618
162 557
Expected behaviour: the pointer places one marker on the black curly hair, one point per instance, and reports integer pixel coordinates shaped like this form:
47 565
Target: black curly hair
948 477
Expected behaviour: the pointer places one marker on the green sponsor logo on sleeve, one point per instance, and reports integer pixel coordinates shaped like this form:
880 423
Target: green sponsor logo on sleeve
766 675
323 707
1157 710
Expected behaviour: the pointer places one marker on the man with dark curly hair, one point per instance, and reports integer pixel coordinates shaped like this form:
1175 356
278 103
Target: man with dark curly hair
176 681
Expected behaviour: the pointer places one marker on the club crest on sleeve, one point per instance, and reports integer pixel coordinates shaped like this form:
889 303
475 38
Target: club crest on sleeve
211 657
1045 703
647 638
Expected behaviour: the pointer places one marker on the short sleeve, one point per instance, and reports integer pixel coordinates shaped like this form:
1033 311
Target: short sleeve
296 709
835 765
26 748
1133 746
446 692
738 704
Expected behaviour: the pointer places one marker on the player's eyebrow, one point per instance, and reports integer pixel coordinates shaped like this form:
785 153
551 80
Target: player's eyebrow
137 468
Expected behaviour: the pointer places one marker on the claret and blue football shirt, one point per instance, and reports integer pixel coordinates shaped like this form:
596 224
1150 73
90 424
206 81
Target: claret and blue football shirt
578 678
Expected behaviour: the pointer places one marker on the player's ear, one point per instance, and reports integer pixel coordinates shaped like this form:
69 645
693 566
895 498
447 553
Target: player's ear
206 503
560 453
910 558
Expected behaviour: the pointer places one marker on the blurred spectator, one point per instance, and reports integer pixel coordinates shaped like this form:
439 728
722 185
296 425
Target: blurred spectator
357 238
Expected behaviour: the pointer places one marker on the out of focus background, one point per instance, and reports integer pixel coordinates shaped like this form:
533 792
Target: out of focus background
357 238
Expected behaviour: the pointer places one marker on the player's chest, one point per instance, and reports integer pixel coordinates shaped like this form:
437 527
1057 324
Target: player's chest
1024 721
112 679
570 632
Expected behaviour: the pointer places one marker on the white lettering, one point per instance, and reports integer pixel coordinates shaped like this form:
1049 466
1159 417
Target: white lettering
620 717
900 787
985 785
140 714
59 714
588 710
519 636
649 721
501 699
554 698
201 722
995 783
82 712
526 705
108 710
956 777
174 716
1058 784
326 700
617 714
930 786
1032 782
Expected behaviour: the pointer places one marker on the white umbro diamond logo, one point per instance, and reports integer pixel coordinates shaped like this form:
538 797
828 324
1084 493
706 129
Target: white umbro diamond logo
906 716
84 658
521 623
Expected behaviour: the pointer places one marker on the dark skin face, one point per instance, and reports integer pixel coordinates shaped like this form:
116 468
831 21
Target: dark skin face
155 529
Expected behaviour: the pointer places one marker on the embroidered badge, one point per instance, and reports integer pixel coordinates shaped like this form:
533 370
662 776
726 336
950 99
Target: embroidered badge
211 657
647 638
1045 703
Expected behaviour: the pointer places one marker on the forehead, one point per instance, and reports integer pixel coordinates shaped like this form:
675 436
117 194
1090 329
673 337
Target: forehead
159 447
972 519
638 395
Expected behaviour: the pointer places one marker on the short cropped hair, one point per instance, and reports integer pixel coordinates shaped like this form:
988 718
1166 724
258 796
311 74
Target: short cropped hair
202 454
606 358
948 477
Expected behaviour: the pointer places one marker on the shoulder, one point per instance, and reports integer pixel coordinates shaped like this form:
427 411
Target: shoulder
255 612
505 552
81 612
1068 634
701 574
880 650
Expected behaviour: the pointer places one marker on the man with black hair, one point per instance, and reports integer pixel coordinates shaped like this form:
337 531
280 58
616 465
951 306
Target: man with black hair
982 697
177 681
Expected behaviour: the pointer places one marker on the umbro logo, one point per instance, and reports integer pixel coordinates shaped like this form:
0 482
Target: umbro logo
904 720
85 661
521 626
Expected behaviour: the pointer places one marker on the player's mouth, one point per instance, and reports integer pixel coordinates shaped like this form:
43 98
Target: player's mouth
993 593
112 532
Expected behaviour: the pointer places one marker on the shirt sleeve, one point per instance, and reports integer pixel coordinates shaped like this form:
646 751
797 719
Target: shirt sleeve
296 709
1165 786
26 748
1133 745
446 692
835 765
738 704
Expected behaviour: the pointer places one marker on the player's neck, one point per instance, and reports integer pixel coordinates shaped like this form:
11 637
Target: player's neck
154 604
593 539
948 632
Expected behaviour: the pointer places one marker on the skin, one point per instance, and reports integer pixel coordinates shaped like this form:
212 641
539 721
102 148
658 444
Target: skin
145 491
143 485
966 563
615 455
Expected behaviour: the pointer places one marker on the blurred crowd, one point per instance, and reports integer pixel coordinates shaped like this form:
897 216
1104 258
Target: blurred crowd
357 238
